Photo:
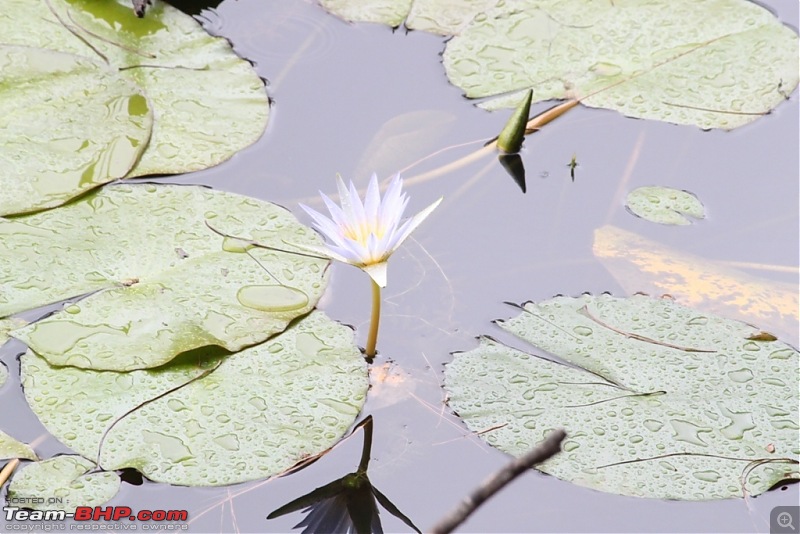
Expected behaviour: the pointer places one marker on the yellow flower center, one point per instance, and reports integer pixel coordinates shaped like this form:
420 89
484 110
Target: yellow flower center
361 233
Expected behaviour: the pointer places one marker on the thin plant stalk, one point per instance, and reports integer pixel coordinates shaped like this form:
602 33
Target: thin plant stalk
375 320
7 470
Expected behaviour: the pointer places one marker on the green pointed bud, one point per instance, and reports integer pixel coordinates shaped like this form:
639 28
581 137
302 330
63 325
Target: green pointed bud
510 140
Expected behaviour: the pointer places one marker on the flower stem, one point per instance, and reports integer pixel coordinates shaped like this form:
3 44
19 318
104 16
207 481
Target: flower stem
375 319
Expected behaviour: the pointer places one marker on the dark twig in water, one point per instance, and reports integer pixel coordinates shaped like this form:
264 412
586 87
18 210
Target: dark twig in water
546 450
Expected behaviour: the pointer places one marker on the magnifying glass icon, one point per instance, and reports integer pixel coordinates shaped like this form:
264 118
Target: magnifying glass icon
785 520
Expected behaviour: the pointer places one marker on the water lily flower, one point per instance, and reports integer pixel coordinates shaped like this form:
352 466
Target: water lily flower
366 234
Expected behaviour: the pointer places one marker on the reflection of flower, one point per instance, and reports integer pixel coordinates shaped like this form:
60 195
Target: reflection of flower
347 505
366 234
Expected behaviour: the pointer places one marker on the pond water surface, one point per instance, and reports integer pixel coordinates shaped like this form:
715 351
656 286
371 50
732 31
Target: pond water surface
353 99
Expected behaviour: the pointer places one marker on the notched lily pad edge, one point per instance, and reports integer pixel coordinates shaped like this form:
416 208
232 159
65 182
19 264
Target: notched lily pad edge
758 335
790 473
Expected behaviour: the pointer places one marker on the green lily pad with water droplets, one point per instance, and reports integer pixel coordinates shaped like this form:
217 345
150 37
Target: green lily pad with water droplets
207 102
715 64
239 417
164 282
10 447
65 478
69 124
445 17
390 12
648 412
664 205
6 326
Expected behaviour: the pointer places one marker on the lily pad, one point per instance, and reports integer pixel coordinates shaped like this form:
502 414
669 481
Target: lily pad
445 17
6 326
665 205
715 64
224 420
64 479
390 12
164 282
12 448
69 124
207 102
659 400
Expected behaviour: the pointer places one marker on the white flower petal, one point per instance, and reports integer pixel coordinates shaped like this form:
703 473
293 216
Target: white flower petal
377 271
338 240
337 215
372 202
314 213
359 225
385 245
348 255
374 251
318 250
344 199
328 228
411 224
392 206
359 250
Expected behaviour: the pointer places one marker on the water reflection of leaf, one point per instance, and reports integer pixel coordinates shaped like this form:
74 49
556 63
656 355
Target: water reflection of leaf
639 264
349 504
403 138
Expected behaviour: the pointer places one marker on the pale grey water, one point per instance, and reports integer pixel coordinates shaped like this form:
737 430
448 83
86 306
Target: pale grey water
335 87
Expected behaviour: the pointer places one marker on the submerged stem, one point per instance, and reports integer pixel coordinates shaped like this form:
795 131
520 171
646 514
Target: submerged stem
375 319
